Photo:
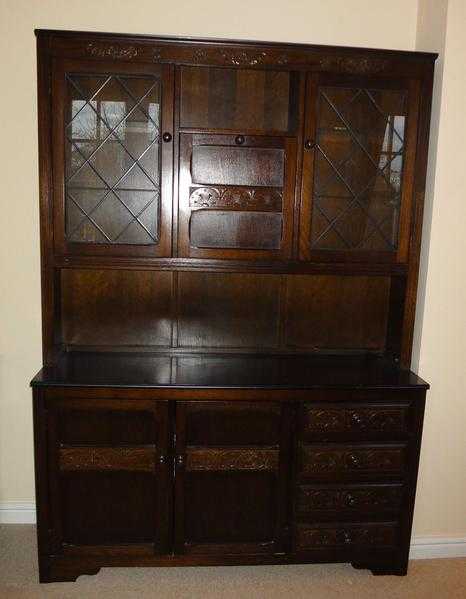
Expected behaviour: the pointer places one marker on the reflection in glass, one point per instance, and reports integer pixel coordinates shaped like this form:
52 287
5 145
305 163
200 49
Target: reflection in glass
113 159
358 169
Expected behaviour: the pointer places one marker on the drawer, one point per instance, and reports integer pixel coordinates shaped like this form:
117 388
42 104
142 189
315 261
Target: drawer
349 499
357 419
324 461
361 535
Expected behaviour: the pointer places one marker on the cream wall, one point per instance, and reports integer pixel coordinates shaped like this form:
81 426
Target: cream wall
440 349
359 22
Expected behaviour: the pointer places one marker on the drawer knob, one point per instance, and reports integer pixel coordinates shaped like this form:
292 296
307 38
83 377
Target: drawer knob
356 419
180 460
309 144
162 459
347 536
354 460
350 500
167 137
239 140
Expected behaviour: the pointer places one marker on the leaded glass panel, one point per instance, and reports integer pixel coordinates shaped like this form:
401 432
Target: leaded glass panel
358 170
112 141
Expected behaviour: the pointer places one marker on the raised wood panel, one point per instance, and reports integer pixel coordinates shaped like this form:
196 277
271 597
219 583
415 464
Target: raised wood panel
228 310
226 509
109 508
240 99
228 423
106 427
237 230
223 165
337 312
116 307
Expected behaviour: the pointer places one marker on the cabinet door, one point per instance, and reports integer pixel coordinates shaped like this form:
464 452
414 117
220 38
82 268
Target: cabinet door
236 196
237 162
112 159
358 169
109 475
231 485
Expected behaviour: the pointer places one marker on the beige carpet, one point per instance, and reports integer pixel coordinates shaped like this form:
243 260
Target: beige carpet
436 579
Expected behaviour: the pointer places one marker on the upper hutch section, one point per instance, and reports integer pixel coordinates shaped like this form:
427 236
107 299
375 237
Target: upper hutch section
218 150
222 196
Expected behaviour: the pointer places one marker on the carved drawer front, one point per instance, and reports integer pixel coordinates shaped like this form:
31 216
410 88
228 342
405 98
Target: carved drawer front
358 419
321 460
350 535
350 497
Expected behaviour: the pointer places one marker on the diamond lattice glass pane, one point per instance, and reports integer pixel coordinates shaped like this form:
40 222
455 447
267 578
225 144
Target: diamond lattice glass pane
112 159
358 169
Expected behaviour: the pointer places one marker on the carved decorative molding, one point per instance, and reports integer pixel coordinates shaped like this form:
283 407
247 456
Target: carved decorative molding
320 460
236 198
157 54
371 535
357 419
115 51
360 66
232 459
243 57
310 499
136 459
199 55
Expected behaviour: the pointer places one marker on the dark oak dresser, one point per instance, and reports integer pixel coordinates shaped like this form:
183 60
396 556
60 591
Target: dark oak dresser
230 237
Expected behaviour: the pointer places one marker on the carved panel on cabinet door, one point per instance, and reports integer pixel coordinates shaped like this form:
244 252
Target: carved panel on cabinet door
372 419
320 460
140 459
232 459
354 498
236 198
370 535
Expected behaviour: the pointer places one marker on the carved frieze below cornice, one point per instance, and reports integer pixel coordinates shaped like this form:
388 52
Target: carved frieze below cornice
114 51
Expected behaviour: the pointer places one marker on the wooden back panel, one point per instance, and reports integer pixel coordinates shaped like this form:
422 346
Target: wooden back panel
207 311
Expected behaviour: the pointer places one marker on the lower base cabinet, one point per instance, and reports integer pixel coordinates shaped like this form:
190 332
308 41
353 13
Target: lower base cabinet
141 477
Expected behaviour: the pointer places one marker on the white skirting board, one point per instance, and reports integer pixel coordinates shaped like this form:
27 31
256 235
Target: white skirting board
17 512
12 512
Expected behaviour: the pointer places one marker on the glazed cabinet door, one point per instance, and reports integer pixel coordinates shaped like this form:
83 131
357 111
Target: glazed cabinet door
231 480
237 163
112 158
358 168
108 476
